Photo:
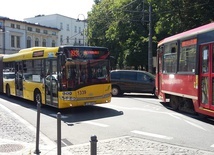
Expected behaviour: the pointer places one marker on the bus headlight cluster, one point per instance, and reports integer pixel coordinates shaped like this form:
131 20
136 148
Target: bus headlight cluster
68 98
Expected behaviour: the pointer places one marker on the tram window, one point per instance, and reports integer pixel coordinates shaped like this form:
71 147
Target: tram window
170 58
205 62
187 59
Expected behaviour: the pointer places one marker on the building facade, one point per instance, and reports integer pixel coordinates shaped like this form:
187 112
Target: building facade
42 30
16 35
72 31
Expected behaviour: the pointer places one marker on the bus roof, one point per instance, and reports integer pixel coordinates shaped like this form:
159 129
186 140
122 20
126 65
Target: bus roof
189 33
28 53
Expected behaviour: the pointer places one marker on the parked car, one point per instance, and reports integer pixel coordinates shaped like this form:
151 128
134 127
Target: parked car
132 81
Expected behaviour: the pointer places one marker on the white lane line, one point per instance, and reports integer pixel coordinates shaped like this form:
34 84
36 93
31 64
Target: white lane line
195 125
174 116
94 123
151 134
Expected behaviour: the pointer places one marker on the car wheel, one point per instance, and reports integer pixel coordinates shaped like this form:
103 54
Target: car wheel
115 91
154 94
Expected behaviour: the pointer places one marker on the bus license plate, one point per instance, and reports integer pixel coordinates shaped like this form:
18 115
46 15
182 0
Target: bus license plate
90 103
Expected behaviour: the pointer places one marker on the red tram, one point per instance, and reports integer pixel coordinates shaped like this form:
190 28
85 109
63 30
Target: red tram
185 70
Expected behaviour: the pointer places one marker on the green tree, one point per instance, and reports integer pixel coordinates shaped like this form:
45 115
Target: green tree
122 25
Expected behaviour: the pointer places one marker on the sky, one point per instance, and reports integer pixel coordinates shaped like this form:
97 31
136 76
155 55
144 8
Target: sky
20 9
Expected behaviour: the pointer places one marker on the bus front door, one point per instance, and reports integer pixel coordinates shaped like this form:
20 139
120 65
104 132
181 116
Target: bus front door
206 76
51 91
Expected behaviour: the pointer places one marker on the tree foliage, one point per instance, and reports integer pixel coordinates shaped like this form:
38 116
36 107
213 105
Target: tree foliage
122 25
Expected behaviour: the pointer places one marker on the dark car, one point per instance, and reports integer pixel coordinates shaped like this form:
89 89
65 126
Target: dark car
132 81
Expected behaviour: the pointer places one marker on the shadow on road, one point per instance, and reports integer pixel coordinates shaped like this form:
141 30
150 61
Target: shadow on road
69 115
196 116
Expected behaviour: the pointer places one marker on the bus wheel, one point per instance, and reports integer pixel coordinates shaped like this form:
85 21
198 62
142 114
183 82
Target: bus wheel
115 91
37 97
8 91
174 103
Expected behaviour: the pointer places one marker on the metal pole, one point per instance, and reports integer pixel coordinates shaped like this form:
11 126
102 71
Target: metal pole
150 58
58 133
94 145
37 129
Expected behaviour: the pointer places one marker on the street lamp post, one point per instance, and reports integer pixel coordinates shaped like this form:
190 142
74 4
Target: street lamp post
78 20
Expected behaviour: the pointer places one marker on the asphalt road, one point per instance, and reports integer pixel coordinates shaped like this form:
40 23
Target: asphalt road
137 115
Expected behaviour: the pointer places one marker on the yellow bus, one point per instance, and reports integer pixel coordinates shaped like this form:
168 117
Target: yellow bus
62 77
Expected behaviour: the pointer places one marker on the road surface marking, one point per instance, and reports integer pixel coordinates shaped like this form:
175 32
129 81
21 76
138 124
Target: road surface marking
94 123
171 114
151 134
212 145
195 125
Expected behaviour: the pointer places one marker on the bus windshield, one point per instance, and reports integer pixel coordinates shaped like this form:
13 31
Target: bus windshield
84 66
79 73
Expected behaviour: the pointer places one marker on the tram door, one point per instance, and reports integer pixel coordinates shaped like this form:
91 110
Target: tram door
206 88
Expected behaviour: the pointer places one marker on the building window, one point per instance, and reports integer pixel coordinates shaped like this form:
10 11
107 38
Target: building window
1 25
36 42
12 25
37 30
54 33
61 39
29 28
67 39
68 27
75 29
44 43
79 42
28 42
18 26
61 26
75 41
53 43
18 41
45 31
12 41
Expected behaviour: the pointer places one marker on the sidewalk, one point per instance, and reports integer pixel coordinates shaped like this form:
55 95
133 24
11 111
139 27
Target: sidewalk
17 137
